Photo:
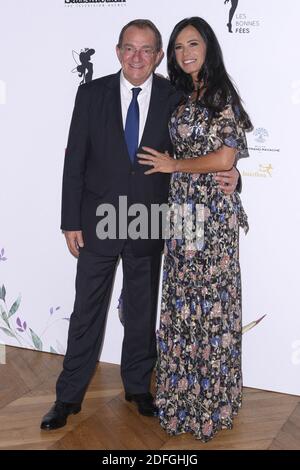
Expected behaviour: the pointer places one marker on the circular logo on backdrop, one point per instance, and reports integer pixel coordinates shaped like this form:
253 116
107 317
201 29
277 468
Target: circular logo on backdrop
259 141
239 22
261 134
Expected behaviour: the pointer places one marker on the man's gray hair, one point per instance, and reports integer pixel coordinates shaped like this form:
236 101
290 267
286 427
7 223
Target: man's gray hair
142 24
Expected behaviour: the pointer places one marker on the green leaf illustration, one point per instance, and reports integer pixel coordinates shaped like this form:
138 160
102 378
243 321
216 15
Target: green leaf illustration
7 332
36 340
4 316
14 307
2 292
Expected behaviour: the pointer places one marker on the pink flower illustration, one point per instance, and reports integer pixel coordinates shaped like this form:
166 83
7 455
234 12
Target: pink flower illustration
216 311
184 130
226 340
225 411
183 384
206 352
207 428
173 423
224 262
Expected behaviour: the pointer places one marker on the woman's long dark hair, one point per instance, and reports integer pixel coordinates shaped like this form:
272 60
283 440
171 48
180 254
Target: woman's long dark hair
217 85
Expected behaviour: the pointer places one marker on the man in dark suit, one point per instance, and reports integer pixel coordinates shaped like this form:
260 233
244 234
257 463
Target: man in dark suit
113 117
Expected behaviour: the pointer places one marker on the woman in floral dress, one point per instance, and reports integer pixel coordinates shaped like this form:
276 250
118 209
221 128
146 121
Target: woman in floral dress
199 378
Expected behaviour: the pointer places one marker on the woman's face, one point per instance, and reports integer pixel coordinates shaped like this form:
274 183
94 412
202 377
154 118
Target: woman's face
190 51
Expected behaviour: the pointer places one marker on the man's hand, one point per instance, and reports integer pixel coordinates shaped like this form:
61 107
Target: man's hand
74 241
227 180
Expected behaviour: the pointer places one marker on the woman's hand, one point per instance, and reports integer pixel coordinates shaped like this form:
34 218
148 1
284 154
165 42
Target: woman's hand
160 162
227 180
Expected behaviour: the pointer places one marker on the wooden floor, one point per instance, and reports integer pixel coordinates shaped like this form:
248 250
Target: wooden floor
27 382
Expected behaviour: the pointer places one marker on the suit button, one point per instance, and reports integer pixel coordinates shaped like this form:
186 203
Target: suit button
133 172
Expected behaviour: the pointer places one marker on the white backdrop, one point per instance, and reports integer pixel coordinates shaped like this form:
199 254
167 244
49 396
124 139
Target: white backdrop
37 90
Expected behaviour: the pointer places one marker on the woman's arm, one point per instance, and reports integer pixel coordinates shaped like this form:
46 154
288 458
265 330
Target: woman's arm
220 160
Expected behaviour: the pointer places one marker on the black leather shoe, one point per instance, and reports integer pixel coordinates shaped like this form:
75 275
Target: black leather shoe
144 403
58 414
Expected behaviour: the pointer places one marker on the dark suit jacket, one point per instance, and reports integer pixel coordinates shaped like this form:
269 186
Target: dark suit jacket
97 167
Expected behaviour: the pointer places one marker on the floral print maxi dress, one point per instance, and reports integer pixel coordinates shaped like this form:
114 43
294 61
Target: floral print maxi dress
199 379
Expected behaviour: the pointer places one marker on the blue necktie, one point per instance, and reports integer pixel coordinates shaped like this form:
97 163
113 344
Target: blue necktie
132 125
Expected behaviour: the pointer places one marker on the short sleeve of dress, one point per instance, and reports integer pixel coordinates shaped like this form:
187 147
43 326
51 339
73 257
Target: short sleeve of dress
230 132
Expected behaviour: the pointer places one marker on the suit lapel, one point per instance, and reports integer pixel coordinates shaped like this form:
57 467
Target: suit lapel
153 120
114 99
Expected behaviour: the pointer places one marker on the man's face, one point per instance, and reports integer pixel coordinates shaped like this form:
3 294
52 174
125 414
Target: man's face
138 55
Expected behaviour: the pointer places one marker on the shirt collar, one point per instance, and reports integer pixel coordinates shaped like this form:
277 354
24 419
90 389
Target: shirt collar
128 86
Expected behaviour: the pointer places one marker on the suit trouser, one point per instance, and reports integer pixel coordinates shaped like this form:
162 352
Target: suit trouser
94 281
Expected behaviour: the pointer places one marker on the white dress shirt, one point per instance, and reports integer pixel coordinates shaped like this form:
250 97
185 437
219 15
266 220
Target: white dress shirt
143 100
